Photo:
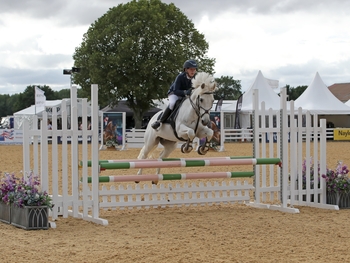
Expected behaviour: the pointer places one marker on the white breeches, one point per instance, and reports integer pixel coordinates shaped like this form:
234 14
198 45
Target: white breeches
172 100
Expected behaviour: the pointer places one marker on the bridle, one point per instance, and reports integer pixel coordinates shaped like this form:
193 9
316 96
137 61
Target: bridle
197 108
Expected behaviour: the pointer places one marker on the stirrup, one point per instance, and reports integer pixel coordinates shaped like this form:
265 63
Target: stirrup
155 125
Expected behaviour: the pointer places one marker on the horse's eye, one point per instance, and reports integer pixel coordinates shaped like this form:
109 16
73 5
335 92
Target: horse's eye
201 100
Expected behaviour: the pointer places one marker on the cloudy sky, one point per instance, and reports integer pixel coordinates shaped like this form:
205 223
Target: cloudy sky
288 40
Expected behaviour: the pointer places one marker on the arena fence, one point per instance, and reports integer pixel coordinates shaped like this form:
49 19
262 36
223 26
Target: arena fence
73 178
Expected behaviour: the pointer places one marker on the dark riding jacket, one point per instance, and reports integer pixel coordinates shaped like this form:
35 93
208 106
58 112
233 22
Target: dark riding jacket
180 85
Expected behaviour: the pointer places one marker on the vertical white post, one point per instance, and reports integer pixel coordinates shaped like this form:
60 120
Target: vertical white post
256 150
65 198
44 149
74 150
222 134
95 156
85 159
323 158
284 147
293 154
26 147
54 155
124 131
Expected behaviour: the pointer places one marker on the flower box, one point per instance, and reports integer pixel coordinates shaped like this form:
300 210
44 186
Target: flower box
340 199
30 217
5 213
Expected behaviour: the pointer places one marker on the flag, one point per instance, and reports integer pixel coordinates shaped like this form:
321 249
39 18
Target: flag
274 84
40 98
219 104
8 134
238 109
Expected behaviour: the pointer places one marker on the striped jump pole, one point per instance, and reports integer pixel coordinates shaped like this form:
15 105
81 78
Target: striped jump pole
165 159
164 177
189 163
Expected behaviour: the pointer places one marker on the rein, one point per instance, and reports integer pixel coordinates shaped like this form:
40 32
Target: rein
197 108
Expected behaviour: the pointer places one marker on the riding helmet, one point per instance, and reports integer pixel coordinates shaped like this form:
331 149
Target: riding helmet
190 64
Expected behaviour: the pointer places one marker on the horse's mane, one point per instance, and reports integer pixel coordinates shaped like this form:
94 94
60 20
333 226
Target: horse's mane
206 79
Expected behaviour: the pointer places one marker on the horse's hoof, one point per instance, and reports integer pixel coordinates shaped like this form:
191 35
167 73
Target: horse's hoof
185 148
202 150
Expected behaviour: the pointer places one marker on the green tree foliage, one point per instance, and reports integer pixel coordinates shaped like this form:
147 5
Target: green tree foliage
135 51
5 106
228 88
294 93
27 98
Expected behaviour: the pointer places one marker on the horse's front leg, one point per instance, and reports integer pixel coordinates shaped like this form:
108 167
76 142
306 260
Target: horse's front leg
208 135
186 132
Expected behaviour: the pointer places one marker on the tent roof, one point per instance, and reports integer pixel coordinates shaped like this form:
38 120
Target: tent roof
266 94
123 107
317 98
32 110
49 104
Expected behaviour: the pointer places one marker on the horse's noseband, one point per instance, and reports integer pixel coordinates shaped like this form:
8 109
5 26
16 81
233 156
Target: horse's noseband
197 108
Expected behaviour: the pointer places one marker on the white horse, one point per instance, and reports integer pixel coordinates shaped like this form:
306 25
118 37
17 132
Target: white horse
191 121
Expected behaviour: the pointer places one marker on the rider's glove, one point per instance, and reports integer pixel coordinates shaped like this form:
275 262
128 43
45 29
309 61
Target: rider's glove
188 92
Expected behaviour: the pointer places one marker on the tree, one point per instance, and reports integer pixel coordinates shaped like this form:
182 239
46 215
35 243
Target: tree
294 93
228 88
134 52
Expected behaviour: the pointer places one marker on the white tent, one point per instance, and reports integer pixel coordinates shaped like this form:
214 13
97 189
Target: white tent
318 99
30 112
266 94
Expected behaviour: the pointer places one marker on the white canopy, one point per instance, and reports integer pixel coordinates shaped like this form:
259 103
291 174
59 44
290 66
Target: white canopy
318 99
266 94
30 112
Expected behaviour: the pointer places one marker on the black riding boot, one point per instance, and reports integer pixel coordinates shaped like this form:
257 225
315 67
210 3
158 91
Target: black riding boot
155 125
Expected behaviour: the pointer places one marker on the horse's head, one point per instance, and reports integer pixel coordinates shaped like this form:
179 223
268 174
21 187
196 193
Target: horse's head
202 96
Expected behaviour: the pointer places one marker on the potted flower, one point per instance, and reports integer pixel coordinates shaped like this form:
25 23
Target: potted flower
8 183
29 205
338 186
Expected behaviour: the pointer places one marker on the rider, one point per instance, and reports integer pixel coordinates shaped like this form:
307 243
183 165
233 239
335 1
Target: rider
181 87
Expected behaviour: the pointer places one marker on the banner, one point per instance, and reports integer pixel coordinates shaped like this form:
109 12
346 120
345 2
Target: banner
40 98
238 109
113 129
219 104
341 134
11 136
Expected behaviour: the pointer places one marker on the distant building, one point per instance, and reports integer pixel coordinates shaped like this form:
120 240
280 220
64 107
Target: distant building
341 91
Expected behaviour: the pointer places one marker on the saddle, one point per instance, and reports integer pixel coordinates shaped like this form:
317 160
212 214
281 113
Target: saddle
172 118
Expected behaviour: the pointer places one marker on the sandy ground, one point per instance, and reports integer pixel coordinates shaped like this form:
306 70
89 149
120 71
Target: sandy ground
221 233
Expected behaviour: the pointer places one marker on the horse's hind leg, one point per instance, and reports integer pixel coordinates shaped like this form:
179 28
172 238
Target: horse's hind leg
148 147
169 147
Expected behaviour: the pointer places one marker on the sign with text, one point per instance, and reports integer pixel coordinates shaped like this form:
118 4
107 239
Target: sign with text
341 134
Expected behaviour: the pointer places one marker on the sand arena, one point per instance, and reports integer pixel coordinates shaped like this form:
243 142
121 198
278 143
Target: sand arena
220 233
